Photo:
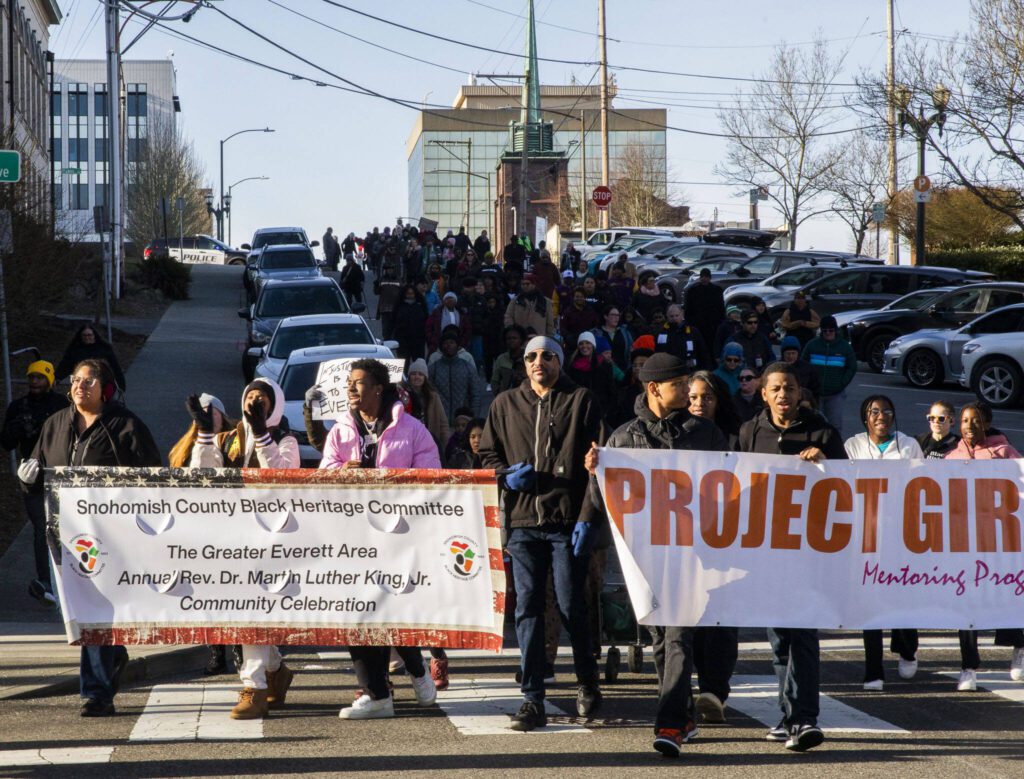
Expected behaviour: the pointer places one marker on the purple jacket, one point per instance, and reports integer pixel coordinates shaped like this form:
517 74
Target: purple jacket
405 443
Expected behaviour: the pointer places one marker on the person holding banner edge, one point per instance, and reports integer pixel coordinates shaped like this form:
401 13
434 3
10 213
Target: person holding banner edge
538 434
94 431
663 422
785 427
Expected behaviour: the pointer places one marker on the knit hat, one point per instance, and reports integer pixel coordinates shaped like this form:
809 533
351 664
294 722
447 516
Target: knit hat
790 342
43 368
418 366
732 349
662 367
828 322
451 295
602 345
543 342
206 400
644 342
730 310
588 337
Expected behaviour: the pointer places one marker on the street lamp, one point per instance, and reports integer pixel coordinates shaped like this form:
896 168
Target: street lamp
248 178
220 211
490 204
920 123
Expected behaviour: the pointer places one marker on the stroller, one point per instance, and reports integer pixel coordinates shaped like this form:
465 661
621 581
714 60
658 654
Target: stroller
619 626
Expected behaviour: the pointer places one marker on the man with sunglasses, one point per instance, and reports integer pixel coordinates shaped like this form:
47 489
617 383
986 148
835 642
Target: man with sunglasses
757 349
836 363
537 435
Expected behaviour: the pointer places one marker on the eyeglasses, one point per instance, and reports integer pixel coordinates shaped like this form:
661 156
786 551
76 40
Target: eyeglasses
888 413
827 330
746 378
732 360
544 355
750 322
87 382
940 418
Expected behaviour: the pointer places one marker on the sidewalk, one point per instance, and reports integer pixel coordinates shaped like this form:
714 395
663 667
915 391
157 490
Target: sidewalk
195 348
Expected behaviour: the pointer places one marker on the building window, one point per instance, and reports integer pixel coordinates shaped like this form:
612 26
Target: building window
78 124
136 115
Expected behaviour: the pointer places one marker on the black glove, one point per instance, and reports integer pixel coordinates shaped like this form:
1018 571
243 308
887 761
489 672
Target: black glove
256 416
201 416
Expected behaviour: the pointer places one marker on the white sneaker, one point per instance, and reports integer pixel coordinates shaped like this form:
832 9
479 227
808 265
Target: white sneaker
426 690
396 666
907 668
875 685
366 707
1017 665
968 680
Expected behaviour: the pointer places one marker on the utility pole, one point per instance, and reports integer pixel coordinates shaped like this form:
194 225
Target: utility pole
583 177
890 89
116 168
469 169
606 213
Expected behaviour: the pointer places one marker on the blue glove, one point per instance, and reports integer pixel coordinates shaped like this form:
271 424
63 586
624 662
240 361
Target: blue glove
582 537
520 477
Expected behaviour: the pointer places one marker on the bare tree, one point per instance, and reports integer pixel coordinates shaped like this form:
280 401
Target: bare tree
775 133
167 167
857 181
640 188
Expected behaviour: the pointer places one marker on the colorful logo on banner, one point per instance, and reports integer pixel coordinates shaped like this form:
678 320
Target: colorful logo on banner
87 555
463 558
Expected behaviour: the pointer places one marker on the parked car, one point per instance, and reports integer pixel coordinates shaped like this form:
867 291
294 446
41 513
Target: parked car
871 333
780 286
871 287
600 240
994 369
299 374
283 261
914 299
273 236
716 259
307 331
927 358
279 299
627 243
195 250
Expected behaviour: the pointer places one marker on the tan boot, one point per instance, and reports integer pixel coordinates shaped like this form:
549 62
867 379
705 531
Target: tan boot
252 704
278 683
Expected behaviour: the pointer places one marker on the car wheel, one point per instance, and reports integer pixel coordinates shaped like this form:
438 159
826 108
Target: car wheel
998 382
874 351
668 293
923 369
237 261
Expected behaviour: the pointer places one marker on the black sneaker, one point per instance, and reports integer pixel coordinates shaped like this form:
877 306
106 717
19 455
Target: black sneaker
779 733
588 700
804 737
95 708
120 666
530 715
218 662
42 593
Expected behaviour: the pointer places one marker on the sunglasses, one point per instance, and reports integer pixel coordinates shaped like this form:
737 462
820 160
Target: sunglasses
750 322
544 355
733 360
828 329
940 418
746 378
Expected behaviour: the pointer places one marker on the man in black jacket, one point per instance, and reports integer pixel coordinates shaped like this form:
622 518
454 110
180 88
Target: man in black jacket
784 427
685 341
663 422
705 306
22 424
539 434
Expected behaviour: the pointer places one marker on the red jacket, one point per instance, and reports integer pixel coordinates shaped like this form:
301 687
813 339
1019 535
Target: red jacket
434 328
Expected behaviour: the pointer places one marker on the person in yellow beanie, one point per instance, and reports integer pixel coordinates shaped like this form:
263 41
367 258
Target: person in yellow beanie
22 423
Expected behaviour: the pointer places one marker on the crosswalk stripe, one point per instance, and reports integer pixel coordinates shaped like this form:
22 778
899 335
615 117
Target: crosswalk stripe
997 683
193 711
758 698
480 707
22 758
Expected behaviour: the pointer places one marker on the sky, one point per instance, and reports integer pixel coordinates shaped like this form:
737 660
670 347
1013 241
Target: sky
339 158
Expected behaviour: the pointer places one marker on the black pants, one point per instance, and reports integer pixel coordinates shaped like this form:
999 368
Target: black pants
673 660
969 657
36 511
797 661
371 667
902 641
715 651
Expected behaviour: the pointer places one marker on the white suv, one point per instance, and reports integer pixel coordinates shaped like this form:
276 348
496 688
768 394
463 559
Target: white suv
994 368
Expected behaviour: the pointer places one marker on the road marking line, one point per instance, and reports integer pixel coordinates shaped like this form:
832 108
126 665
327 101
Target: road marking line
58 756
481 707
997 683
758 698
190 712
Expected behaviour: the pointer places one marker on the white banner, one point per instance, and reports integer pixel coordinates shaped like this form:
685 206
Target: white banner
752 540
332 377
274 555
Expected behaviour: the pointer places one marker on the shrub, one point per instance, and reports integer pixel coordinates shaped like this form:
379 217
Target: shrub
168 275
1006 261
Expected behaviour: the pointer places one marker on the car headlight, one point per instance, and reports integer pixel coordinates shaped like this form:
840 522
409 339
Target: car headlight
260 339
971 348
895 342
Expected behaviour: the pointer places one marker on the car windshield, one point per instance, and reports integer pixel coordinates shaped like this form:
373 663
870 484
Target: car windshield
277 239
629 241
299 378
913 300
285 260
687 252
288 339
296 301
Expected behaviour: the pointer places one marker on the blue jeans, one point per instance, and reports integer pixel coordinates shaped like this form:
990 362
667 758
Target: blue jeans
535 552
832 408
476 348
797 664
96 671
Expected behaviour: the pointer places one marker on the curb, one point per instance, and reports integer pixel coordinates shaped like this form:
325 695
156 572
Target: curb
171 663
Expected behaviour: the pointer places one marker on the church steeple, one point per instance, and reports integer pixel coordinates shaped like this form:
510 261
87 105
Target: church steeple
531 84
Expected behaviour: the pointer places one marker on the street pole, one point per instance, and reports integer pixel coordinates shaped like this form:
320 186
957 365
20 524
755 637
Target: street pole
894 236
469 167
116 169
606 212
583 176
220 203
919 225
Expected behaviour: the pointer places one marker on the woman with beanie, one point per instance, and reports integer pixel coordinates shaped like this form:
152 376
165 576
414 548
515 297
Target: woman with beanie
729 366
258 441
618 336
593 371
426 403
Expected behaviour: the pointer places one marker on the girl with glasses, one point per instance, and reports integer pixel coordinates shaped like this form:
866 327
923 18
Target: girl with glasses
940 439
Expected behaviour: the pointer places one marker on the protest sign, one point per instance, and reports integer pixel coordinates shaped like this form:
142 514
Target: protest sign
710 538
219 556
332 377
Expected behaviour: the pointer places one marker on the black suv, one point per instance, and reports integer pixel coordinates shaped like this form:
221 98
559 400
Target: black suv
871 333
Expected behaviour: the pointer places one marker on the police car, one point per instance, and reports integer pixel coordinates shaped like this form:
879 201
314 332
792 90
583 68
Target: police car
196 250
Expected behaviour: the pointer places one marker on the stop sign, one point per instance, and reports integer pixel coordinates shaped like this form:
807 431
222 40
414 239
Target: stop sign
602 197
